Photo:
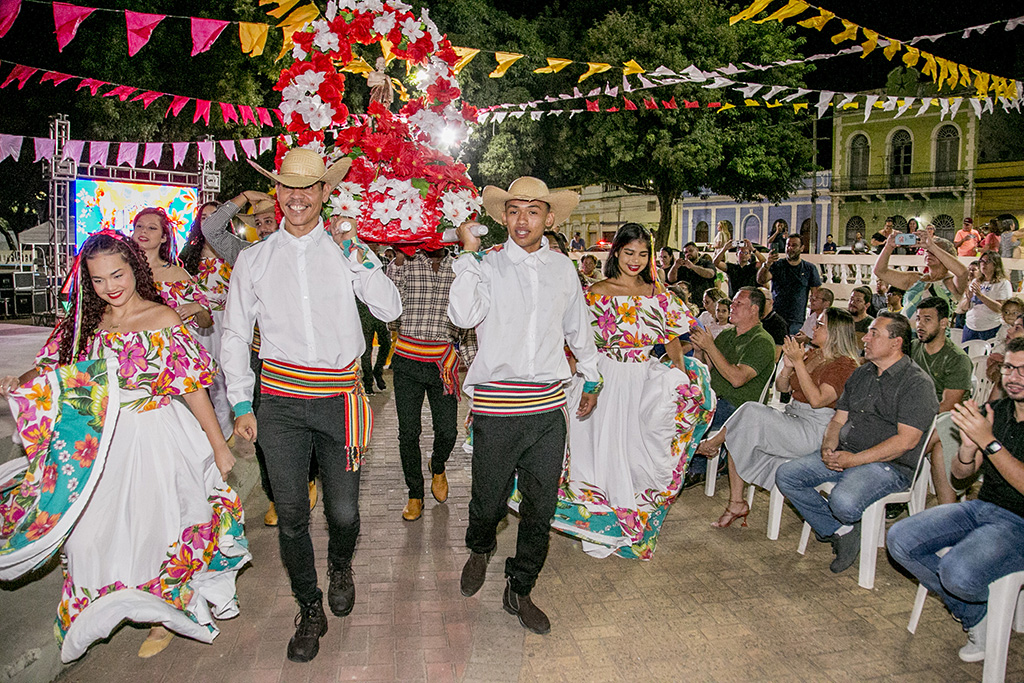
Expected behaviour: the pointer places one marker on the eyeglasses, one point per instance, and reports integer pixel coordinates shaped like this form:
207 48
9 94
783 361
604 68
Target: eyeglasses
820 323
1006 369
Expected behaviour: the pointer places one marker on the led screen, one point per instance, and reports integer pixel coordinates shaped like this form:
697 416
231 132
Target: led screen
112 204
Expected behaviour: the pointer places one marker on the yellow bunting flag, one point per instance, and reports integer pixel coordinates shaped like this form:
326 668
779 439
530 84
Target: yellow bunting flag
892 48
756 7
554 66
911 57
751 103
631 68
358 65
389 56
505 60
283 7
798 106
849 32
870 44
851 105
726 106
466 55
253 38
982 82
879 105
943 70
594 68
294 22
929 67
965 75
792 8
772 105
954 73
818 22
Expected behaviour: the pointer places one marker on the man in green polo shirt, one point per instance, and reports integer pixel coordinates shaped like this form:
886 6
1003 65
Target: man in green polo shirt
950 369
742 359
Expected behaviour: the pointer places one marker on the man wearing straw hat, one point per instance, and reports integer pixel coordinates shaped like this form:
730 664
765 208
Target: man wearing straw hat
301 285
526 303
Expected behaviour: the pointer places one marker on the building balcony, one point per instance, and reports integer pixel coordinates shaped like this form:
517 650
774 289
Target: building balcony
910 185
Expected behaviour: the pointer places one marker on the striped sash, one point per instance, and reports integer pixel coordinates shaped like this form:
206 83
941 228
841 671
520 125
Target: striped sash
296 381
255 344
441 353
506 399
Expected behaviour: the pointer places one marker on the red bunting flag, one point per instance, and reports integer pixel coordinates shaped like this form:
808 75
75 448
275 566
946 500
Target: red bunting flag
202 111
92 84
55 76
204 33
592 105
649 103
629 105
121 92
612 109
140 28
228 112
670 104
177 104
8 13
147 98
21 74
691 105
247 116
264 116
66 20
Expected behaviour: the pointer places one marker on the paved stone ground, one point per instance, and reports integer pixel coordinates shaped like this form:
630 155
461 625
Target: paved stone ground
713 605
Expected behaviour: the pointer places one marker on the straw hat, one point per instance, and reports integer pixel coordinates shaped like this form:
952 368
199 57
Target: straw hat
303 167
529 189
262 206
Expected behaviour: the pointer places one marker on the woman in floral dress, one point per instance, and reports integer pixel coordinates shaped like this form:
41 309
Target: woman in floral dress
628 458
152 231
211 274
126 477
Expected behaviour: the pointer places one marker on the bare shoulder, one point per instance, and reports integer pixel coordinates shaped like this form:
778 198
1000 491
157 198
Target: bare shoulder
173 273
603 287
157 317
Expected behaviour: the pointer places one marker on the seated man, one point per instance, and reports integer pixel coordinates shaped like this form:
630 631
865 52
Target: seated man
950 369
860 299
871 446
985 536
741 360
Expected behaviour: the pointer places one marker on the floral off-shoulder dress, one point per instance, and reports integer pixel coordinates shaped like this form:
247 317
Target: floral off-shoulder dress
627 459
212 282
121 477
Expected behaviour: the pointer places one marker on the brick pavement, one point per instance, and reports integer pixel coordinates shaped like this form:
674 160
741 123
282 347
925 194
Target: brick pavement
713 605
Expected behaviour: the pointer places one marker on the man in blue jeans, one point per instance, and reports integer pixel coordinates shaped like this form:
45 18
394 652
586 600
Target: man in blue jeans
871 446
985 537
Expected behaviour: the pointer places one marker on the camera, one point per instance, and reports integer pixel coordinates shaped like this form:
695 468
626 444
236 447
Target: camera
906 239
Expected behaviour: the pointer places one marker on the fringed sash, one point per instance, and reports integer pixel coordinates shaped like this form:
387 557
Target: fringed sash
442 354
507 399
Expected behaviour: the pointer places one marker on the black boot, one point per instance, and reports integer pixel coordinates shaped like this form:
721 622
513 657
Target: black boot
310 626
530 616
341 595
474 573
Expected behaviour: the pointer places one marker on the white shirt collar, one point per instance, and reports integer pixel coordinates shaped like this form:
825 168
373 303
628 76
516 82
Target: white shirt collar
314 236
517 254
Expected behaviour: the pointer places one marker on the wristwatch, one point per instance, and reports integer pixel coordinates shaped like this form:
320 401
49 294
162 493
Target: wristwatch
993 448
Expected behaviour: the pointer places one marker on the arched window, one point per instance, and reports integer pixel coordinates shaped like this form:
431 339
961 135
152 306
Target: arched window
901 149
860 149
807 233
751 229
947 155
700 233
853 226
945 226
899 222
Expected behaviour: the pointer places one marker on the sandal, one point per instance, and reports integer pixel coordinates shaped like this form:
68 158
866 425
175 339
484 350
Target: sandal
728 517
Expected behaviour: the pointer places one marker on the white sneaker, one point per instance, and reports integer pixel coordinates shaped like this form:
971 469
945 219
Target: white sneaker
974 650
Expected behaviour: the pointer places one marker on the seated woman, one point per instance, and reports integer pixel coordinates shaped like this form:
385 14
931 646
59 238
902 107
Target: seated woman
760 438
118 428
628 458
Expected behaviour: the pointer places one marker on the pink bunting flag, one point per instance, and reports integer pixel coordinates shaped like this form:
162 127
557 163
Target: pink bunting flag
204 33
73 150
228 112
229 149
10 146
8 13
147 98
249 147
45 148
180 149
154 152
206 151
265 144
92 84
121 92
279 115
177 104
140 28
264 116
19 73
98 152
202 111
55 76
66 20
127 153
247 115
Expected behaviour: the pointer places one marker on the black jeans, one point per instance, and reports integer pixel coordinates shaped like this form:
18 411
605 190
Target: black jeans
532 446
256 364
373 326
413 379
291 428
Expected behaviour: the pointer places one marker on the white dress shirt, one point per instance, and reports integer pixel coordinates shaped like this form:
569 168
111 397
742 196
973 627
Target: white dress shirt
300 291
525 308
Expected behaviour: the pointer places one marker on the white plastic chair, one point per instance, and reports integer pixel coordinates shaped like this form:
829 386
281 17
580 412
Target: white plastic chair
712 470
872 522
1005 610
977 348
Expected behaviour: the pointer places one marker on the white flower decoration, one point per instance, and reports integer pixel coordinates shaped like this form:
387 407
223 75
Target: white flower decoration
386 210
411 214
384 23
298 53
325 39
344 205
315 112
310 80
411 29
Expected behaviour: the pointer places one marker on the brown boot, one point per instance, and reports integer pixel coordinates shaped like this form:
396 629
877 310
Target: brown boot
530 616
439 487
270 519
413 510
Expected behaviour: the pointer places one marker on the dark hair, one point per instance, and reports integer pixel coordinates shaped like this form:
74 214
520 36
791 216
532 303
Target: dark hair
795 236
670 250
192 252
866 292
1015 345
828 294
895 290
558 238
756 298
690 244
630 232
940 305
93 307
898 327
167 246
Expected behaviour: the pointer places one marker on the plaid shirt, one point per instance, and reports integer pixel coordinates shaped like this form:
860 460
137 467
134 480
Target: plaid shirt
425 305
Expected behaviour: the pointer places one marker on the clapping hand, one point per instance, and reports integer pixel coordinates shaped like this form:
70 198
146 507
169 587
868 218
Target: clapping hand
977 425
792 351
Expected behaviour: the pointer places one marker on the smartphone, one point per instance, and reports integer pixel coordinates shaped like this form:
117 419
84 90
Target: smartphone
906 239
